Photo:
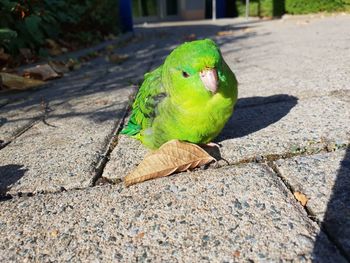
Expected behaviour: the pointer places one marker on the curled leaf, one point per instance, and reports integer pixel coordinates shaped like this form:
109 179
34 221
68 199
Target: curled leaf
43 72
173 156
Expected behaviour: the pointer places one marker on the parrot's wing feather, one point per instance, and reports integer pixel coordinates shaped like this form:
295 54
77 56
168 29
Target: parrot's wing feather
144 108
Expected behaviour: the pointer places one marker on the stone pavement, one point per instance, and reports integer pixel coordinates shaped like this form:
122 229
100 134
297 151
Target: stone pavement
62 161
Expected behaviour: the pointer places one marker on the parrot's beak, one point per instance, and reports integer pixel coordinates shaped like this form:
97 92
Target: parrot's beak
209 78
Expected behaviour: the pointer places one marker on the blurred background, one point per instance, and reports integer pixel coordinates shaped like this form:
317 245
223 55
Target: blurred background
41 28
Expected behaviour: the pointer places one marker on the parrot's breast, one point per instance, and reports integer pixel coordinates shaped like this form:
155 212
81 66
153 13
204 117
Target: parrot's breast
203 122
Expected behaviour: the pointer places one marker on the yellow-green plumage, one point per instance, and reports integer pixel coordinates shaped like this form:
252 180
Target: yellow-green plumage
179 100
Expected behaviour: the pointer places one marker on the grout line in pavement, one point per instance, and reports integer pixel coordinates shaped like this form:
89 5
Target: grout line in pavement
98 180
112 143
309 211
288 155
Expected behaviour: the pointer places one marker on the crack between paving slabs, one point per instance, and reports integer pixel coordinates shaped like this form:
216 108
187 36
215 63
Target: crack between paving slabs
267 159
98 178
311 215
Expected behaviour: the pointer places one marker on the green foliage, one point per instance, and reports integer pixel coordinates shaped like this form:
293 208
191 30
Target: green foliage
262 8
271 8
314 6
27 24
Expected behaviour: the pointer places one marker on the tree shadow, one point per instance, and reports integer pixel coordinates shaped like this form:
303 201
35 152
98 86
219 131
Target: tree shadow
256 113
336 221
149 46
9 174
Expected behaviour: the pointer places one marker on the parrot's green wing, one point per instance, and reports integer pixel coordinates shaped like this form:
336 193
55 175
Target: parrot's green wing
144 108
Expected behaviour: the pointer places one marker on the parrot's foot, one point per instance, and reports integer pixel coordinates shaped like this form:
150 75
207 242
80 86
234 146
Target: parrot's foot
214 150
211 144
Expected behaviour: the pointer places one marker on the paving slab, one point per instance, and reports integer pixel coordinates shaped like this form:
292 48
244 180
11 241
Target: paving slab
232 214
64 150
325 180
290 126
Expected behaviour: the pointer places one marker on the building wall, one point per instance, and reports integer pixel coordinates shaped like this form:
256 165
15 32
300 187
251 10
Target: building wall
192 10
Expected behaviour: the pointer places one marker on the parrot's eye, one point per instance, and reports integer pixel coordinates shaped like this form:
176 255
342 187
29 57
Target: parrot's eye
185 74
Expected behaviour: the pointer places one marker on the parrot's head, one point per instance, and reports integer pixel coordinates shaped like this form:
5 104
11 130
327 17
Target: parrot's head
194 70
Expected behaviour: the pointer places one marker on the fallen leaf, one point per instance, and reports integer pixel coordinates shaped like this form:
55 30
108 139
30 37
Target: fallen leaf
43 72
301 198
54 233
303 22
224 33
15 82
116 58
236 254
110 48
140 236
54 48
4 58
190 37
246 30
59 67
73 64
173 156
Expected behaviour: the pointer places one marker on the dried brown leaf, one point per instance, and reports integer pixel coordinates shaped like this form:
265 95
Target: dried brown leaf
54 48
301 198
173 156
15 82
236 254
43 72
4 58
116 58
224 33
59 66
190 37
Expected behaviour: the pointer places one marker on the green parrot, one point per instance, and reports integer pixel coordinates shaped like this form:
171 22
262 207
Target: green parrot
190 97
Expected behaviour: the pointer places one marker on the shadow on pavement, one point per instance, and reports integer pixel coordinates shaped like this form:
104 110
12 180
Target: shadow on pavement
9 174
256 113
149 47
336 221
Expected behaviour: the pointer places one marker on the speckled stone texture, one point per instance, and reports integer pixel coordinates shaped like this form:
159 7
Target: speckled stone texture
227 214
325 180
292 118
65 150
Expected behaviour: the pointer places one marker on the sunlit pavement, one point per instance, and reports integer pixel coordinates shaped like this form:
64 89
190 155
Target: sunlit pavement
62 163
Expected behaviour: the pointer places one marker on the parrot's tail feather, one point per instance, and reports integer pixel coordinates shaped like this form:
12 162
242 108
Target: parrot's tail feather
131 128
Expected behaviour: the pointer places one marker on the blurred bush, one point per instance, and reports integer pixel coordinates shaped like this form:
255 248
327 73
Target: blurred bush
273 8
28 24
262 8
314 6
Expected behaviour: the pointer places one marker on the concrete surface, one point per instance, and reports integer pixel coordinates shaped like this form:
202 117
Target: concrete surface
220 216
325 180
62 161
